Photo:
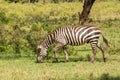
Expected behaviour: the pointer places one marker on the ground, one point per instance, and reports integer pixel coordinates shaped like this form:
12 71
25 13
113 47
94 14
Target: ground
26 68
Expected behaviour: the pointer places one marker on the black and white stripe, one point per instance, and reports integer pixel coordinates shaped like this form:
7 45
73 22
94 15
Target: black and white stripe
73 35
76 35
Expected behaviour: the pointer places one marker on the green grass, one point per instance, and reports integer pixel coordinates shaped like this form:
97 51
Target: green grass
25 68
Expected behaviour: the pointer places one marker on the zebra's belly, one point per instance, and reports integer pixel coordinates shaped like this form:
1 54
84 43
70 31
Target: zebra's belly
76 43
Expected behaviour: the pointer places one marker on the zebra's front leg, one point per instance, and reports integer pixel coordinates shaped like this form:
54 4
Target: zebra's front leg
57 47
66 54
94 49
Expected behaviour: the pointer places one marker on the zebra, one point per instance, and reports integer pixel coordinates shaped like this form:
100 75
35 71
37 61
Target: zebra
75 36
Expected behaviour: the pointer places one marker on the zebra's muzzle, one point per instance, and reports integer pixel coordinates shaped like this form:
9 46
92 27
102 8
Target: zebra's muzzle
39 59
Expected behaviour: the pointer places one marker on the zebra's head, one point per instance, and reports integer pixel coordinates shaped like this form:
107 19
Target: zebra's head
42 52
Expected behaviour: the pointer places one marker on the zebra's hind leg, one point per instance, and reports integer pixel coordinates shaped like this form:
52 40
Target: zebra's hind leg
57 47
66 54
94 49
102 50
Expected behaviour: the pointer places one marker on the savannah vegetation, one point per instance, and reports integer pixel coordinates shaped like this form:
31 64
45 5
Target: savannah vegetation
24 25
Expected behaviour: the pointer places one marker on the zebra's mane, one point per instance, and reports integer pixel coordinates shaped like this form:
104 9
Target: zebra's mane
48 40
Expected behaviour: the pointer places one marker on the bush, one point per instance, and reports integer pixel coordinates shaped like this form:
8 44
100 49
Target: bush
23 26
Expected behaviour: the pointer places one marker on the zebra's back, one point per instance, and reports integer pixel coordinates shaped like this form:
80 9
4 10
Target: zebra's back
77 35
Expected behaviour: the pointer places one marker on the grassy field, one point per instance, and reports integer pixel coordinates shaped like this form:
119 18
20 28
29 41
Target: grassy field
25 68
32 18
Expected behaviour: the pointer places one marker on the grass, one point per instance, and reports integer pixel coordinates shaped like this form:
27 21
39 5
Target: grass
25 68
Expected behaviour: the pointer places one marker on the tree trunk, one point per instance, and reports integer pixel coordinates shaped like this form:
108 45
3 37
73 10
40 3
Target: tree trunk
85 12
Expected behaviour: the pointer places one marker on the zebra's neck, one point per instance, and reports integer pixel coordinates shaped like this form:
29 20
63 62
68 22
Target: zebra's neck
48 41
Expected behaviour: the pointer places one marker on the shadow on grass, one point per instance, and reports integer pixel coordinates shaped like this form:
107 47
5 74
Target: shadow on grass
48 60
106 76
52 59
15 57
77 60
63 60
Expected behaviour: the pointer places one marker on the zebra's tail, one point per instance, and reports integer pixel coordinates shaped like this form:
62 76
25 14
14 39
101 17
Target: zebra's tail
105 40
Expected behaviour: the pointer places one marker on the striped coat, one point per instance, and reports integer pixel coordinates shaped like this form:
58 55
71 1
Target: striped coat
76 35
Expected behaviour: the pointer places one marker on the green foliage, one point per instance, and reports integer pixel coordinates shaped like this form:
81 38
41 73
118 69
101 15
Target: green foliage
24 26
20 1
3 18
